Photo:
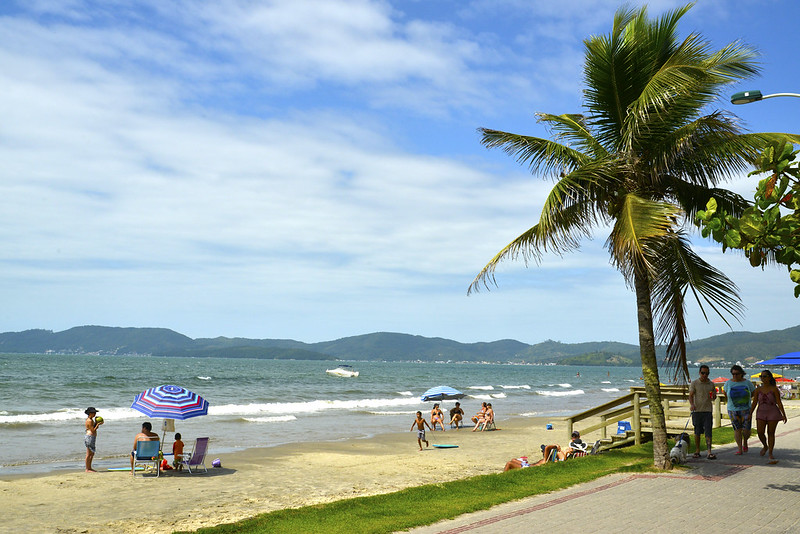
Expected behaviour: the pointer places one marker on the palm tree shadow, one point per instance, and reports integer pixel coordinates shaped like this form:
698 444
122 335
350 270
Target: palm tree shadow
784 487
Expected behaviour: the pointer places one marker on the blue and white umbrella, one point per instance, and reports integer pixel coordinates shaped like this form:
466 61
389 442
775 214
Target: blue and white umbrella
442 393
170 402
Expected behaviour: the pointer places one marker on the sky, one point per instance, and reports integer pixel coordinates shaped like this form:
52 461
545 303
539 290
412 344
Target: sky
311 169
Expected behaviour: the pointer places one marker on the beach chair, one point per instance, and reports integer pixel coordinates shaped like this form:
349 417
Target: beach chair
487 425
196 458
147 455
623 427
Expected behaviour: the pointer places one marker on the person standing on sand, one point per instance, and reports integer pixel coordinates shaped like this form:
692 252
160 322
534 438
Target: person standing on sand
421 423
90 437
770 410
702 393
739 391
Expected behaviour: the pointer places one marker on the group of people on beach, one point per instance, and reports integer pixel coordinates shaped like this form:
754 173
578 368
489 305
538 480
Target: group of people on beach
93 422
744 400
484 416
482 419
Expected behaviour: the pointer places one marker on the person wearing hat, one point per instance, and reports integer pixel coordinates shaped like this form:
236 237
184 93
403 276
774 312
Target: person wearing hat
90 439
575 445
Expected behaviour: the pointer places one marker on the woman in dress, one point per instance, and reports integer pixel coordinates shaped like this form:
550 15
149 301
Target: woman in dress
769 410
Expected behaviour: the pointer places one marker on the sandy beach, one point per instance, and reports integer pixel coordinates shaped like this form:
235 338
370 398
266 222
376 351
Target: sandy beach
261 480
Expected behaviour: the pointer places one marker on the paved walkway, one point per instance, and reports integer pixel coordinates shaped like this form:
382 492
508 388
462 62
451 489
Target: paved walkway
735 493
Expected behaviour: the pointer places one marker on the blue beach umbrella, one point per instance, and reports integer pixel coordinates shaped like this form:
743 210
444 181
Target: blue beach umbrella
170 402
791 358
442 393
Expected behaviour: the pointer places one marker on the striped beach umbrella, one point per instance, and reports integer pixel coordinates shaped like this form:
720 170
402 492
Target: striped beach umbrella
441 393
170 402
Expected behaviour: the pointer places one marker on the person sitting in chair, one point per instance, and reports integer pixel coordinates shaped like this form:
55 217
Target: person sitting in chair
487 419
437 417
456 415
146 434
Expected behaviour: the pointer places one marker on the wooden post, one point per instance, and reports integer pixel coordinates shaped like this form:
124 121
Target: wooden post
717 412
665 403
637 425
604 430
569 429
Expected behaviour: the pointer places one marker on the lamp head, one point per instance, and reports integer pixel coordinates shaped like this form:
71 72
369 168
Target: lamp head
745 97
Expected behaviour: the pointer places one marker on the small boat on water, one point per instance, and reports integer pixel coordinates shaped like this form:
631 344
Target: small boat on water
343 370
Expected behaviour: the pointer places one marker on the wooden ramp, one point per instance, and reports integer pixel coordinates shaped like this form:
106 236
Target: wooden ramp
634 409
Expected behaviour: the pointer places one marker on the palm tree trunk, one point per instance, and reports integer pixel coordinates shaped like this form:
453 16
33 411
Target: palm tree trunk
647 351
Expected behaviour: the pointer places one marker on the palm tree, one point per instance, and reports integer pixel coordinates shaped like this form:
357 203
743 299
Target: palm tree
642 160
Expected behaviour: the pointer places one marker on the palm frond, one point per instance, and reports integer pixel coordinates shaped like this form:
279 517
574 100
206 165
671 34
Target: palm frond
531 244
540 155
639 222
677 270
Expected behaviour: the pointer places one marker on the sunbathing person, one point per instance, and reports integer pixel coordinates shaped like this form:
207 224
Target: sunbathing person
547 455
479 416
146 434
552 453
488 417
456 415
437 416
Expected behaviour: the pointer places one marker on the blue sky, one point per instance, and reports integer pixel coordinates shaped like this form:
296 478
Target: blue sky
311 169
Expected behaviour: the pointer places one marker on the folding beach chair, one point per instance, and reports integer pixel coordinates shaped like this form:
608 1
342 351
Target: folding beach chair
196 458
147 455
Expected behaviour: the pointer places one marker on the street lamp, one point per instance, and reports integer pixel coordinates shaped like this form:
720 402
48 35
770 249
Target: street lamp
745 97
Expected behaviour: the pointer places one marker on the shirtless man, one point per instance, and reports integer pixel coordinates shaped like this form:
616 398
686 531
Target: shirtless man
146 434
90 438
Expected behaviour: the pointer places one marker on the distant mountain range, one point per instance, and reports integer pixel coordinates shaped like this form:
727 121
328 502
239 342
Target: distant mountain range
747 347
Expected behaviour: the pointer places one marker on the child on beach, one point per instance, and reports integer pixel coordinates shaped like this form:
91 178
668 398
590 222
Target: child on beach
421 423
90 437
177 452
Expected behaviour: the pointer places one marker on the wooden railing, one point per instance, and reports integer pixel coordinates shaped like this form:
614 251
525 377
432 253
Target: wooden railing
635 407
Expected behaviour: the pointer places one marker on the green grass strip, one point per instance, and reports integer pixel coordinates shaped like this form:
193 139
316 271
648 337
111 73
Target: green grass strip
424 505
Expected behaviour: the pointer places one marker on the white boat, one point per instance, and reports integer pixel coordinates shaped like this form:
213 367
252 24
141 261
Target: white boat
342 370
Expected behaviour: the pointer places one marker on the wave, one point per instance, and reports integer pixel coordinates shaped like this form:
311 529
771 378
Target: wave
498 395
560 393
409 412
204 377
606 382
274 419
481 397
484 388
609 390
565 385
525 386
67 414
314 406
405 393
253 409
529 414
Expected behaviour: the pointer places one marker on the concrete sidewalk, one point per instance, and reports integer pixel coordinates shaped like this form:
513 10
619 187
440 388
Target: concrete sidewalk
729 494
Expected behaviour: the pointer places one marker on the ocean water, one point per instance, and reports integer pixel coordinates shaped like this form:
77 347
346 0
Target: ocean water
261 403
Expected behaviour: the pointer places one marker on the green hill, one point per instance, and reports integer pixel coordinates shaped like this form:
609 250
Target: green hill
747 347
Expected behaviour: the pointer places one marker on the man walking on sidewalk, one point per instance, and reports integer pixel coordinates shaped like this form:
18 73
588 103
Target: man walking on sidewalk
702 393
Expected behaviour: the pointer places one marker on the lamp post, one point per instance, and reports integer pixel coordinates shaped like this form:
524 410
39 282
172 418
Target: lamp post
745 97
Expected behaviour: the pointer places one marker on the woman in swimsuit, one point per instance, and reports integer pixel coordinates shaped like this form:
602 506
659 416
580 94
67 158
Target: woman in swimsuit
437 416
769 410
478 417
